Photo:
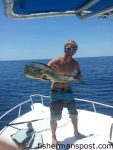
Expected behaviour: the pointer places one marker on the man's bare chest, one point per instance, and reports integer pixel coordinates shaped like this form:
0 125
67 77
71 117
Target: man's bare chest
66 68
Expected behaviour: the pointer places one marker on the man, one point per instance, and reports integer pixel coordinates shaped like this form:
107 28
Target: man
61 93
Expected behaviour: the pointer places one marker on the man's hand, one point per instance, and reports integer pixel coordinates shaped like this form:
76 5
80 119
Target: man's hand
78 79
77 76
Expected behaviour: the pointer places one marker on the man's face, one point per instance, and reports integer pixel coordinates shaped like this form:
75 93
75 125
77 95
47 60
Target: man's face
71 49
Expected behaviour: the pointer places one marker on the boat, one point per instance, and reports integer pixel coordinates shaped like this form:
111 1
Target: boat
31 130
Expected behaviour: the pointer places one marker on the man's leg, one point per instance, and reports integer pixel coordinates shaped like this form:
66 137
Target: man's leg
71 106
56 108
75 124
77 134
53 124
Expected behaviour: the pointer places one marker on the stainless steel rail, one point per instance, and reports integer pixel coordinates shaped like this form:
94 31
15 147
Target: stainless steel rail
94 103
19 106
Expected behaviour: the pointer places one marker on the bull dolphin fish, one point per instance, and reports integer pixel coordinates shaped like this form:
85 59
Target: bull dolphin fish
41 71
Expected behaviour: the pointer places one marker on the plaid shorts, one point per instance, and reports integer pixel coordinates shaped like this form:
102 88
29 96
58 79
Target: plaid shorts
62 98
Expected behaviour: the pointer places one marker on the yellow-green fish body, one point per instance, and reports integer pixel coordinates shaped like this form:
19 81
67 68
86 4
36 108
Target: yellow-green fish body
41 71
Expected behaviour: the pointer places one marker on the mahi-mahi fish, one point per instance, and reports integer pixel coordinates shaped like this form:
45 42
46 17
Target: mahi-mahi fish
42 71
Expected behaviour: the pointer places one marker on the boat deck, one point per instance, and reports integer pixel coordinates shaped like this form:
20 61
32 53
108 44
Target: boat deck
95 126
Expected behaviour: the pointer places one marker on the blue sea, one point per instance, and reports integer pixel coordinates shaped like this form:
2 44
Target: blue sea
97 74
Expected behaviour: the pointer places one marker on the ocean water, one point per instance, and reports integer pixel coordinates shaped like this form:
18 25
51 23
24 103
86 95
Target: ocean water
97 74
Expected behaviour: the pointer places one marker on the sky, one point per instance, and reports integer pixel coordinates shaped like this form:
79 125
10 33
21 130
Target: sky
44 38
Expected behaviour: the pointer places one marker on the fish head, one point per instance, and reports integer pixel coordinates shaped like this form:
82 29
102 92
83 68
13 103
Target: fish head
32 71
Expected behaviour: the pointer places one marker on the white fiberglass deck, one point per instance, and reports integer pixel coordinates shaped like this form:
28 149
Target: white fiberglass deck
94 125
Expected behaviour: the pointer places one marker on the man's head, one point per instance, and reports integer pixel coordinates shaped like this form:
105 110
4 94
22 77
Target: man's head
70 47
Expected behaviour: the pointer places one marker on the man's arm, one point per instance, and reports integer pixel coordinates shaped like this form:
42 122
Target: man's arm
78 72
53 64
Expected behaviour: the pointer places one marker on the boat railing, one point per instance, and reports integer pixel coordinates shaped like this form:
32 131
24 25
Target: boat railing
19 106
77 99
94 103
41 97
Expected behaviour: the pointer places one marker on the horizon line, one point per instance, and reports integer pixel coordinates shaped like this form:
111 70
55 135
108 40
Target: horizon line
50 58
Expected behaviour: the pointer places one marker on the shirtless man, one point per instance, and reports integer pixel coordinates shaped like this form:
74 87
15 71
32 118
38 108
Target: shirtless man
61 93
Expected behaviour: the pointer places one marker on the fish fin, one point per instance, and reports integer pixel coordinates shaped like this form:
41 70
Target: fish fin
43 64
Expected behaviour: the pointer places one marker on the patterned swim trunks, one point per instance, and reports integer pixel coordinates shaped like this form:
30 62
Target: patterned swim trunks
62 97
